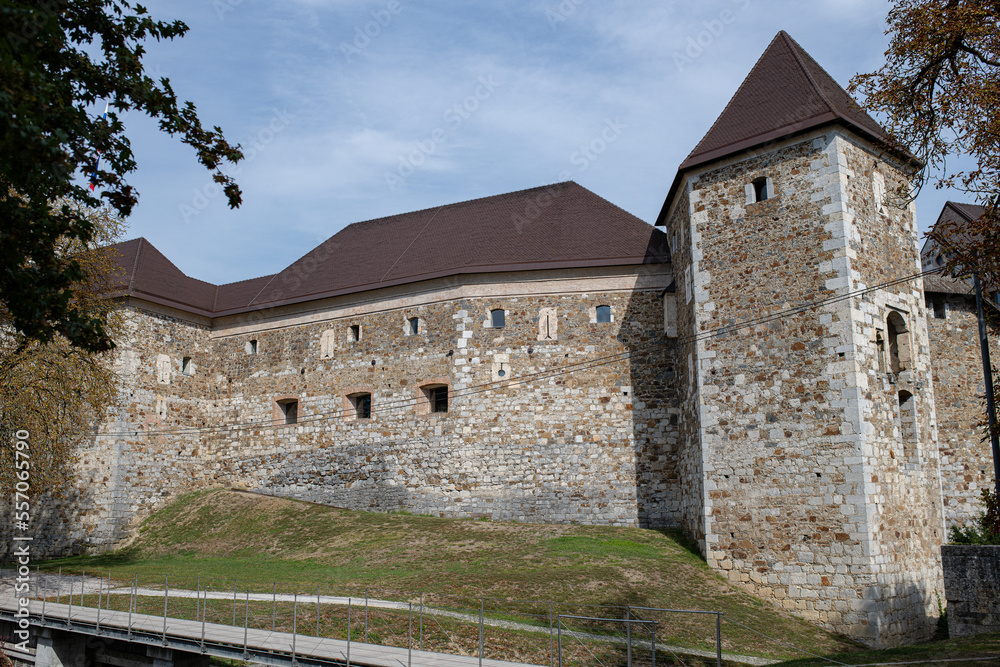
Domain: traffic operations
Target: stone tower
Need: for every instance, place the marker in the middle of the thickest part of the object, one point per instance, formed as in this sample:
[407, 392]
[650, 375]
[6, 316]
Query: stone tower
[810, 453]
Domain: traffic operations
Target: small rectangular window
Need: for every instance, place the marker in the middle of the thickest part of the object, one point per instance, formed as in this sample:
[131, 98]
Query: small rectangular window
[187, 368]
[603, 314]
[439, 399]
[940, 309]
[760, 189]
[251, 347]
[414, 325]
[290, 410]
[362, 405]
[498, 318]
[355, 332]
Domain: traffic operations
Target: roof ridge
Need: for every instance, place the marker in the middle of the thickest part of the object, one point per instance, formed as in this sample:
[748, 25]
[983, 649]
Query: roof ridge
[268, 284]
[797, 52]
[135, 266]
[732, 98]
[458, 203]
[412, 241]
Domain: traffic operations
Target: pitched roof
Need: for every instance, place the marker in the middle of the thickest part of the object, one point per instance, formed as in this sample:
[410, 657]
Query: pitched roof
[143, 271]
[785, 93]
[555, 226]
[954, 218]
[940, 284]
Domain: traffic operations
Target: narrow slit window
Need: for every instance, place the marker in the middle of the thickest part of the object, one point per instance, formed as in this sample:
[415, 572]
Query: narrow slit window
[187, 368]
[498, 318]
[760, 192]
[908, 425]
[355, 332]
[414, 325]
[251, 347]
[899, 346]
[603, 314]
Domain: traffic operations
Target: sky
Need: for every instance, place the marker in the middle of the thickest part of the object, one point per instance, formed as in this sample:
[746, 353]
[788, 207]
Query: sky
[354, 110]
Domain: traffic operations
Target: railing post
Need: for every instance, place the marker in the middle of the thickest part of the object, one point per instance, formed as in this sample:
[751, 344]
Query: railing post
[559, 634]
[274, 604]
[107, 600]
[317, 611]
[366, 615]
[204, 610]
[718, 639]
[552, 652]
[83, 583]
[234, 601]
[348, 632]
[100, 590]
[69, 611]
[628, 634]
[246, 618]
[409, 637]
[295, 624]
[482, 610]
[131, 594]
[653, 645]
[421, 620]
[166, 594]
[59, 586]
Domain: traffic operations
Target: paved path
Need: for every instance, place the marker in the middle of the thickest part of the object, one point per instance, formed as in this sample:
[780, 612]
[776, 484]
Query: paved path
[254, 640]
[50, 584]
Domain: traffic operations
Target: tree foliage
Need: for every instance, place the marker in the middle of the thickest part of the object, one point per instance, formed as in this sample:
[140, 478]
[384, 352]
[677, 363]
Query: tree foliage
[939, 96]
[60, 61]
[985, 528]
[55, 390]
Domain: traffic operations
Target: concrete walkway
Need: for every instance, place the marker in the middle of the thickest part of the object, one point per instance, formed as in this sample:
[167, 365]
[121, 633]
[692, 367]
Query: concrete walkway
[49, 584]
[85, 620]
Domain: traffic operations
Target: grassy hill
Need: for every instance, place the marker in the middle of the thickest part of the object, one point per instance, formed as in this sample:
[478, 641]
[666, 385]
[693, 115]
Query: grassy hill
[224, 540]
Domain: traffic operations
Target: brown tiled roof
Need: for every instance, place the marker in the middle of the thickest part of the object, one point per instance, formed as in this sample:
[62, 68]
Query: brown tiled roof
[144, 272]
[955, 216]
[937, 283]
[786, 92]
[555, 226]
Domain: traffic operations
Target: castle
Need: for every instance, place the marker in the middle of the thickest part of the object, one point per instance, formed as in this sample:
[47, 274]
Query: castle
[767, 370]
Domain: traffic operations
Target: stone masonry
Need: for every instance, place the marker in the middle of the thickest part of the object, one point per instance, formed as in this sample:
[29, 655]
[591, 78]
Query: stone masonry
[766, 373]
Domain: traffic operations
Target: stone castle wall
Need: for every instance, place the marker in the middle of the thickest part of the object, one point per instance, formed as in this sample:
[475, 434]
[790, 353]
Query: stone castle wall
[966, 459]
[582, 426]
[803, 499]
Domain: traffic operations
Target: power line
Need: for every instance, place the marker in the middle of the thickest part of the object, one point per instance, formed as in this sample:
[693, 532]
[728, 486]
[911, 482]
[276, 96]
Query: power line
[568, 369]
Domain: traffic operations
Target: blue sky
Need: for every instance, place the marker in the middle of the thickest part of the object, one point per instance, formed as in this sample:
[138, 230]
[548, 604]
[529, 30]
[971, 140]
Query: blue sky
[354, 110]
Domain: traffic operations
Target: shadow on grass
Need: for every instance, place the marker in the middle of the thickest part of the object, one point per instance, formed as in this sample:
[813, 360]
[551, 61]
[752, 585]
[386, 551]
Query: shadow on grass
[682, 541]
[976, 650]
[112, 559]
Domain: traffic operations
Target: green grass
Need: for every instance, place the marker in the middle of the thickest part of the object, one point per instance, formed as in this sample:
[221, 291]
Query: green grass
[221, 540]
